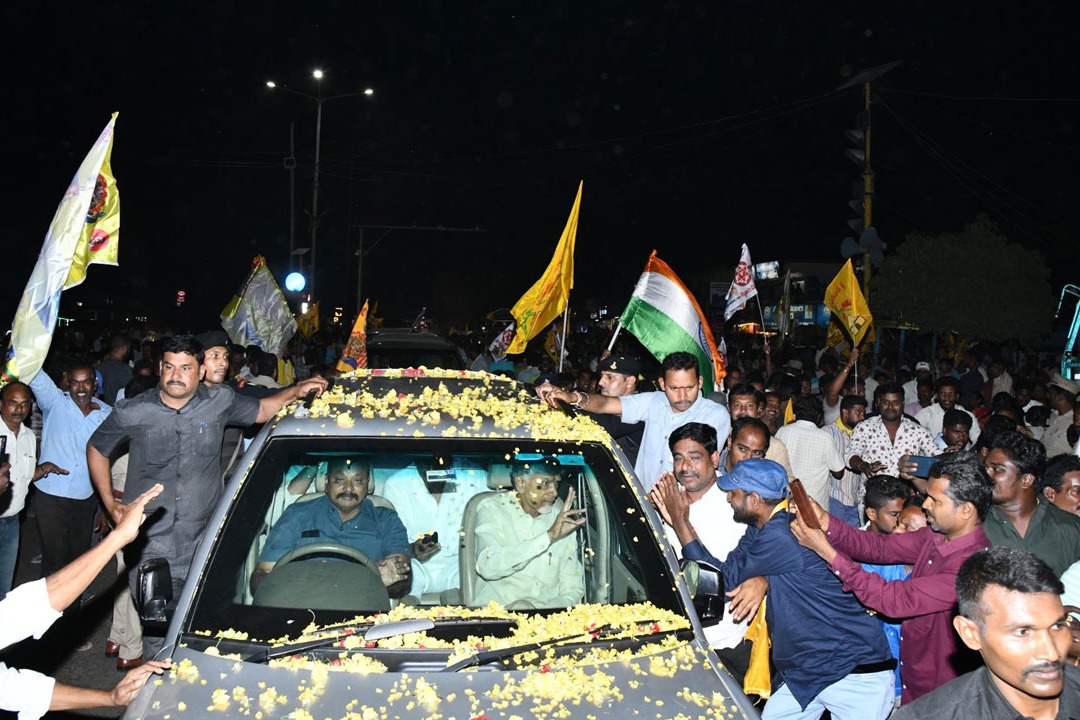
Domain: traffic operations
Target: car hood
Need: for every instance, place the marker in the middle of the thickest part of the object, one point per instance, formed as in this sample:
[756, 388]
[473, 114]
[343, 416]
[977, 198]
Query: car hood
[674, 681]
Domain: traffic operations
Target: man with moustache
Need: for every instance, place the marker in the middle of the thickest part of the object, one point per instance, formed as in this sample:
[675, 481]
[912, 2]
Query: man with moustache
[65, 503]
[745, 400]
[21, 451]
[947, 394]
[831, 655]
[694, 508]
[346, 516]
[1010, 613]
[959, 497]
[174, 435]
[679, 402]
[526, 551]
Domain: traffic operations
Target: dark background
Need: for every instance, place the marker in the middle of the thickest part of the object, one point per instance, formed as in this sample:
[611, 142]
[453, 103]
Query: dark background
[696, 126]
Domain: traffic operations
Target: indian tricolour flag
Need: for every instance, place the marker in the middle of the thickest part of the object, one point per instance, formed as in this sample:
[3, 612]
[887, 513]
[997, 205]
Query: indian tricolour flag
[665, 317]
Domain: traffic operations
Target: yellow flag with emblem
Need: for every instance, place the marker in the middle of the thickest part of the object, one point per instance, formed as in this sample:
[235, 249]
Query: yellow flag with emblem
[548, 296]
[844, 298]
[83, 231]
[308, 323]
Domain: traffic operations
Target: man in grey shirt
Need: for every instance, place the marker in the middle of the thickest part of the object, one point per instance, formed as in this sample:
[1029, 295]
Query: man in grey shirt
[175, 437]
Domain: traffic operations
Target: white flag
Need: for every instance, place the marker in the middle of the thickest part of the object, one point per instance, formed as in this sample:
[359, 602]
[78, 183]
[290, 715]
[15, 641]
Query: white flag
[743, 287]
[501, 343]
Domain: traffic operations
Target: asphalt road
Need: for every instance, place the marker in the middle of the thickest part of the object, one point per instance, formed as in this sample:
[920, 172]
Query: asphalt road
[55, 653]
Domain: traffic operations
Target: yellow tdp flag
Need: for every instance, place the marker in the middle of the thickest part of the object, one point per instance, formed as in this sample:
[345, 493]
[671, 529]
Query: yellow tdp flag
[308, 323]
[548, 296]
[355, 353]
[99, 242]
[848, 305]
[83, 231]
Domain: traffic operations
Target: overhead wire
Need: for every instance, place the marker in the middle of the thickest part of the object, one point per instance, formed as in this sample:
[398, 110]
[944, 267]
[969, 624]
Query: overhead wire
[962, 173]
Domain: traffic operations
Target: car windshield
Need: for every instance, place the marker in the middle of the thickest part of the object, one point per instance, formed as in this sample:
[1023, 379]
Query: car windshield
[463, 508]
[404, 357]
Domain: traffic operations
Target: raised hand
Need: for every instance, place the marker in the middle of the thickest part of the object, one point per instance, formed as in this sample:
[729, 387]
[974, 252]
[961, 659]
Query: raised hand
[568, 520]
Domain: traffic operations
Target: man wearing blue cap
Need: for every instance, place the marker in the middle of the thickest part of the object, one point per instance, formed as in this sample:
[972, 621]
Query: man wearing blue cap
[829, 652]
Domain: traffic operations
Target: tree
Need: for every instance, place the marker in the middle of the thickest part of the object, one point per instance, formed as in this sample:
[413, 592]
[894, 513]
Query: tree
[974, 282]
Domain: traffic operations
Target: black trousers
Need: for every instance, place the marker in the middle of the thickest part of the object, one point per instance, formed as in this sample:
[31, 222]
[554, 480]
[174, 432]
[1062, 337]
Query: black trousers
[65, 526]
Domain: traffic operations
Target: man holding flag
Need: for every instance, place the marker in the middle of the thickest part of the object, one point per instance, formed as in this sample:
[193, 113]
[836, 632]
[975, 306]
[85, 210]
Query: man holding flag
[84, 231]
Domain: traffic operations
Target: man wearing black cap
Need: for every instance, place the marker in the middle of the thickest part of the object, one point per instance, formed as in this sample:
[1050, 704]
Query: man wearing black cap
[618, 378]
[216, 362]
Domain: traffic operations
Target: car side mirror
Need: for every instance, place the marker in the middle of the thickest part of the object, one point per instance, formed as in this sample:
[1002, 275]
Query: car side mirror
[706, 589]
[154, 590]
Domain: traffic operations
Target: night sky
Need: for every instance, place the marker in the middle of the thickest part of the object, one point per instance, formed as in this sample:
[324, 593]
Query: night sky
[695, 126]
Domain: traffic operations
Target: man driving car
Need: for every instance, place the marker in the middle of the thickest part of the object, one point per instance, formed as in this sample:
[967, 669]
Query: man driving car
[344, 515]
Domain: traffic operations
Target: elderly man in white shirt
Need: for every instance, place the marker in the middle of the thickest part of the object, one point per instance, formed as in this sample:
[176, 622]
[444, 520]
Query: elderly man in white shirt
[31, 609]
[526, 552]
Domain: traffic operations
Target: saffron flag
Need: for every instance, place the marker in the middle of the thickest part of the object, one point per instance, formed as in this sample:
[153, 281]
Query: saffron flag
[308, 323]
[547, 298]
[84, 230]
[665, 317]
[844, 298]
[258, 314]
[742, 287]
[355, 353]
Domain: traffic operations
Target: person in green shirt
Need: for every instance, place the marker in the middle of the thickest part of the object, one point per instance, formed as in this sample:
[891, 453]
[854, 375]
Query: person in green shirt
[1021, 517]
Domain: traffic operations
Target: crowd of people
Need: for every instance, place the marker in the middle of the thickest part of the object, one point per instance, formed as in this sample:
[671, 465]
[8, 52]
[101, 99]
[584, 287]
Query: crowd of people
[940, 492]
[910, 492]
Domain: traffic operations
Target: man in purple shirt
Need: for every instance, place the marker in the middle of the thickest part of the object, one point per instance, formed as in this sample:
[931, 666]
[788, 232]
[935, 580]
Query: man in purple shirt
[959, 496]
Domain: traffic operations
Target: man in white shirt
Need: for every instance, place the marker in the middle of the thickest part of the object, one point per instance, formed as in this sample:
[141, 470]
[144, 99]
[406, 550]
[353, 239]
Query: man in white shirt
[947, 393]
[813, 455]
[922, 374]
[700, 510]
[526, 552]
[846, 492]
[679, 402]
[33, 607]
[21, 450]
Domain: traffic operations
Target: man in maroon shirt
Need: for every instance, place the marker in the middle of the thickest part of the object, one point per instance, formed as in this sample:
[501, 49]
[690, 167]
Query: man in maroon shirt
[959, 496]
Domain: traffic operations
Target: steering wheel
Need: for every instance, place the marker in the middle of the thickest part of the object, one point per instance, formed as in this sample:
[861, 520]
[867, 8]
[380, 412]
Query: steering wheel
[328, 548]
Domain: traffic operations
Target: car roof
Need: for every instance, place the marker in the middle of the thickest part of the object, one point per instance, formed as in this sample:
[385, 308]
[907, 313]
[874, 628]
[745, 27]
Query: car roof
[434, 403]
[406, 338]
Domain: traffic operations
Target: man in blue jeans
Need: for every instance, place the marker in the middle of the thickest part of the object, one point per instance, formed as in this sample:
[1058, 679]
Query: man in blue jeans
[829, 652]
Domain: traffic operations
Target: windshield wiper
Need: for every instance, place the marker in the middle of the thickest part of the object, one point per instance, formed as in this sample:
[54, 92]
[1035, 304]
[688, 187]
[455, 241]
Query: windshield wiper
[489, 656]
[371, 634]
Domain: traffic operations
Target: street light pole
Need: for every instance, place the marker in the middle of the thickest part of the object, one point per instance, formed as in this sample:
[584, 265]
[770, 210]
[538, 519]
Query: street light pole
[315, 188]
[319, 100]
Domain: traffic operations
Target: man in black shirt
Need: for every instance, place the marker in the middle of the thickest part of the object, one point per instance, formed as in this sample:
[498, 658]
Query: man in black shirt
[1011, 613]
[619, 378]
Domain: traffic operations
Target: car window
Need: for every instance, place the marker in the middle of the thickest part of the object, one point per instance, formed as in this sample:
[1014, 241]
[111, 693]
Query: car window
[460, 489]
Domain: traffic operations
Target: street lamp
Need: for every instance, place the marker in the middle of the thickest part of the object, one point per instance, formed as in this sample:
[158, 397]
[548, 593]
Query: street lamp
[319, 99]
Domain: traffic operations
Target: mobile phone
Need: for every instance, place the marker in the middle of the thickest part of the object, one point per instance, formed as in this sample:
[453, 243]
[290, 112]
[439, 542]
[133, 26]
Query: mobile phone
[923, 462]
[802, 502]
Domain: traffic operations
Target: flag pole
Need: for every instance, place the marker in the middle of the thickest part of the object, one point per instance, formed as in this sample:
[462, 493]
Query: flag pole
[618, 329]
[764, 335]
[562, 340]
